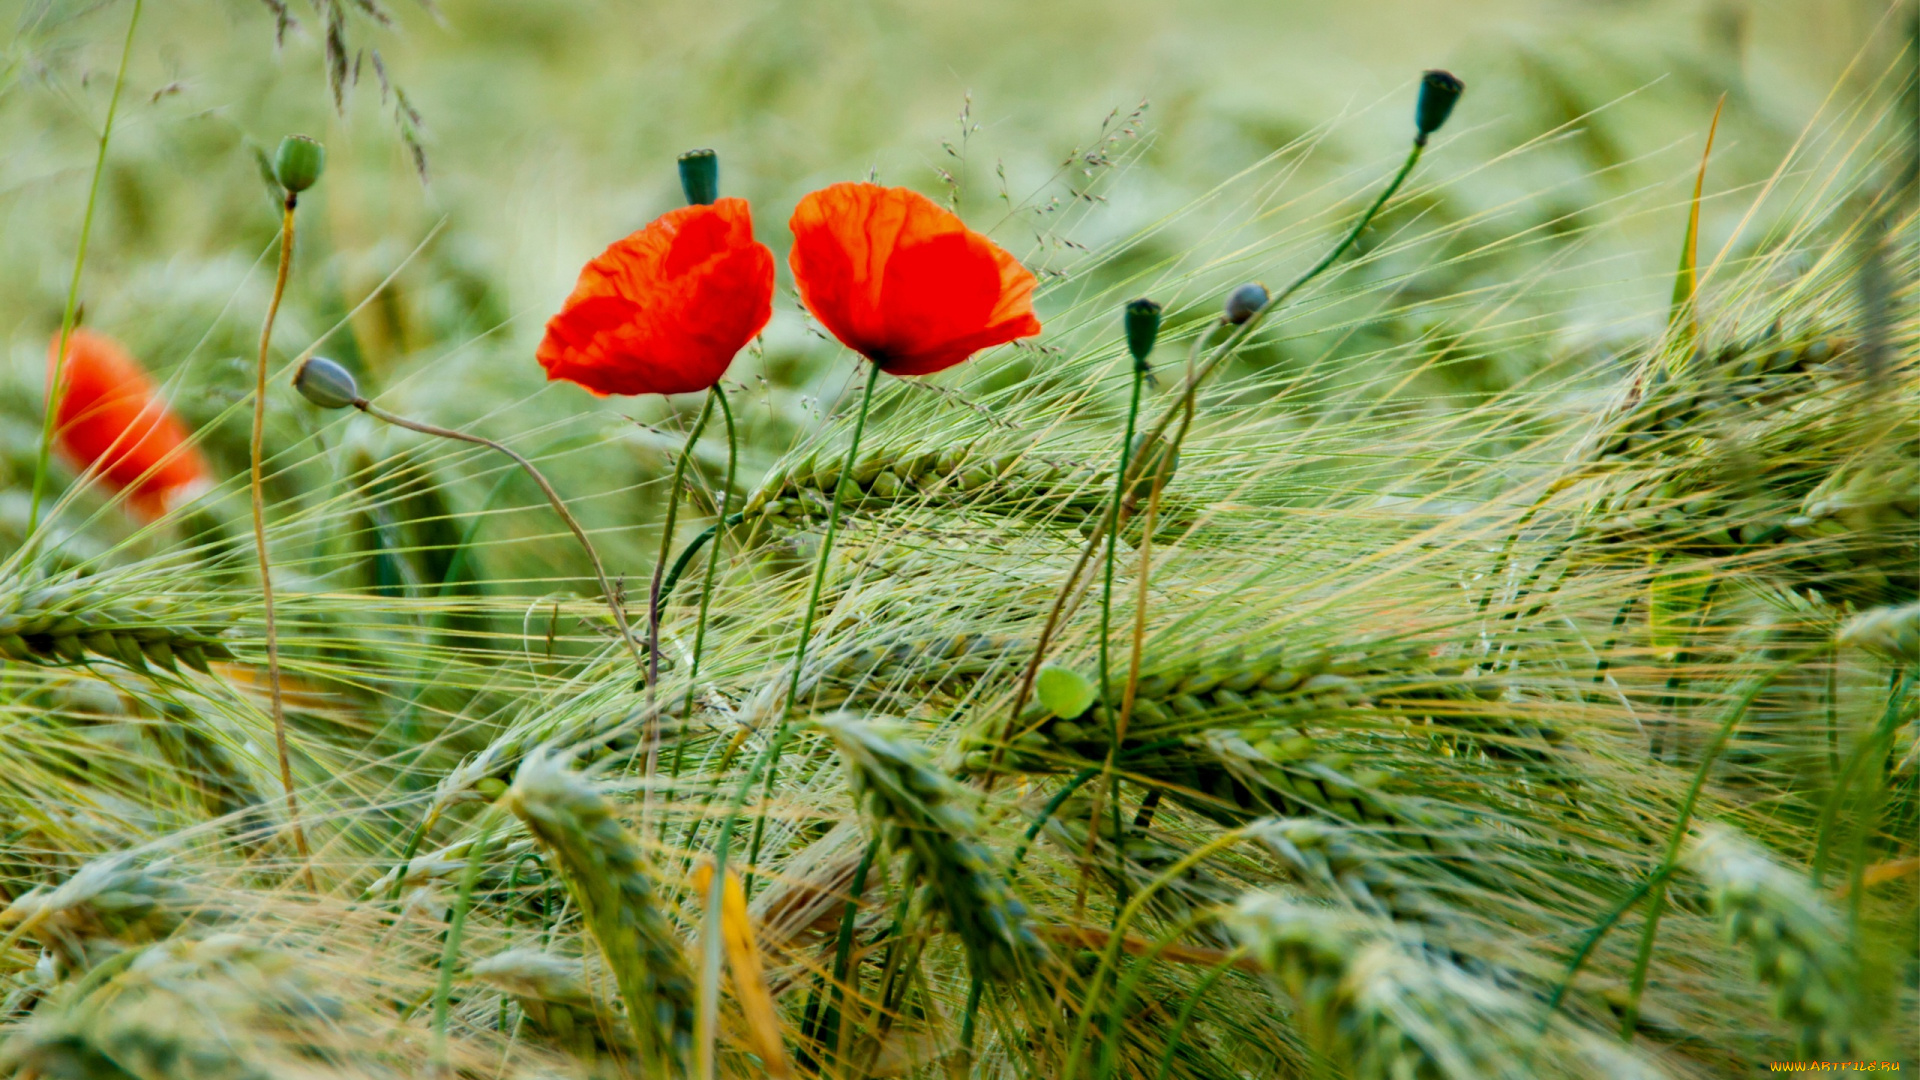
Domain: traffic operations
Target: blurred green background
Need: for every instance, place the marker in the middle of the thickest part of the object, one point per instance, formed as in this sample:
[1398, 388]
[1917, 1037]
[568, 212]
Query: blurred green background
[1115, 146]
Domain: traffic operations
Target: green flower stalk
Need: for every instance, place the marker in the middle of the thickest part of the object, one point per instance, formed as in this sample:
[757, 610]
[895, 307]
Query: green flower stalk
[330, 386]
[1437, 97]
[770, 758]
[297, 167]
[1142, 322]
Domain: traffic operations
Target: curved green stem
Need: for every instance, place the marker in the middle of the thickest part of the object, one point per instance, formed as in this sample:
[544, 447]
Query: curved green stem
[1637, 983]
[1111, 955]
[1869, 748]
[1592, 941]
[706, 585]
[653, 596]
[1114, 732]
[55, 385]
[1218, 355]
[553, 499]
[256, 486]
[456, 925]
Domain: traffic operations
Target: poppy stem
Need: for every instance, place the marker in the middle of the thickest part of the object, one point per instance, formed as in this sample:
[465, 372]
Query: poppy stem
[55, 387]
[1227, 347]
[257, 490]
[653, 603]
[706, 585]
[553, 499]
[1114, 730]
[769, 759]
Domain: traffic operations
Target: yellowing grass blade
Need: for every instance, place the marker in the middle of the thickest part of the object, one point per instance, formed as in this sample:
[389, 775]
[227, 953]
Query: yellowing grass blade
[749, 977]
[1681, 319]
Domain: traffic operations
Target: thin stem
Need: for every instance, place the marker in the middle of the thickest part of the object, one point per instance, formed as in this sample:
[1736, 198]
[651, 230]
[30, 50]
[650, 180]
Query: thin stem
[770, 759]
[55, 383]
[553, 498]
[1867, 749]
[450, 956]
[1111, 955]
[829, 1028]
[653, 603]
[1630, 1015]
[706, 584]
[1185, 1017]
[256, 481]
[1218, 355]
[1592, 941]
[1106, 624]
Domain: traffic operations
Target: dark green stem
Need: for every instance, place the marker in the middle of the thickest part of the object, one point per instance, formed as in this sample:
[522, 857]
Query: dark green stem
[1630, 1016]
[456, 925]
[1114, 734]
[1220, 353]
[653, 594]
[706, 585]
[828, 1033]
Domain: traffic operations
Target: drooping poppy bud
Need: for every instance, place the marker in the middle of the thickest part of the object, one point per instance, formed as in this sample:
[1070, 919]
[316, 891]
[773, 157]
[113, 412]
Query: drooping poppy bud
[700, 177]
[1143, 328]
[1438, 92]
[298, 163]
[111, 420]
[665, 310]
[1244, 301]
[902, 281]
[326, 384]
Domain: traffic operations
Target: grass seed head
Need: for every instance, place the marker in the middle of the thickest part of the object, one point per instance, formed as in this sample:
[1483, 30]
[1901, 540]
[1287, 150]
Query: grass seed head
[603, 867]
[1798, 944]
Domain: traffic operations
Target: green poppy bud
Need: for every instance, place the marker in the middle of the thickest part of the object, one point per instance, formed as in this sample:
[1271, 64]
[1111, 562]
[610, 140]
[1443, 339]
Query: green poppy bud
[1438, 92]
[326, 384]
[700, 177]
[1244, 301]
[298, 163]
[1143, 328]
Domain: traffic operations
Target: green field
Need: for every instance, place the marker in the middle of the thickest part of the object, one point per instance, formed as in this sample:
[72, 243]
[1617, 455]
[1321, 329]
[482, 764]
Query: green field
[1495, 659]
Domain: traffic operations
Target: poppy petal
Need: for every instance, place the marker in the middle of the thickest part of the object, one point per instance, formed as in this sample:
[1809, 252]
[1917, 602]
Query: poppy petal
[113, 422]
[904, 282]
[665, 310]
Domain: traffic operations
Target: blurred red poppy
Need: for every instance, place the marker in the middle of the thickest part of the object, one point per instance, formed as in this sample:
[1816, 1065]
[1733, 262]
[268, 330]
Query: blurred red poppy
[903, 282]
[112, 421]
[665, 310]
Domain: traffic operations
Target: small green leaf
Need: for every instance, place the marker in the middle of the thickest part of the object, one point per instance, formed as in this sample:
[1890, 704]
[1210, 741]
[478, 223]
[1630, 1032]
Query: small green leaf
[1065, 692]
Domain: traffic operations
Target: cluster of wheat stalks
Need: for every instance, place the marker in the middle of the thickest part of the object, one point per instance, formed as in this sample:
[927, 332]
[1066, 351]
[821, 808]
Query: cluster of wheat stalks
[1511, 740]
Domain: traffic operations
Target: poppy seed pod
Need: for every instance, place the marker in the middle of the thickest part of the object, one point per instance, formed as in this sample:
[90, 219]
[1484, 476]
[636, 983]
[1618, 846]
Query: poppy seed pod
[1244, 301]
[326, 384]
[1438, 92]
[298, 163]
[1143, 328]
[700, 177]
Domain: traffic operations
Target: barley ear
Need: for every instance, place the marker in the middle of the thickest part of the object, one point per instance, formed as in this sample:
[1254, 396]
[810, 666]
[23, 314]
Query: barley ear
[609, 879]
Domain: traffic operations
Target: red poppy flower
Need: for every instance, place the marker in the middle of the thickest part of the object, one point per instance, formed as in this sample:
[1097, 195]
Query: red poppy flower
[903, 282]
[111, 420]
[665, 310]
